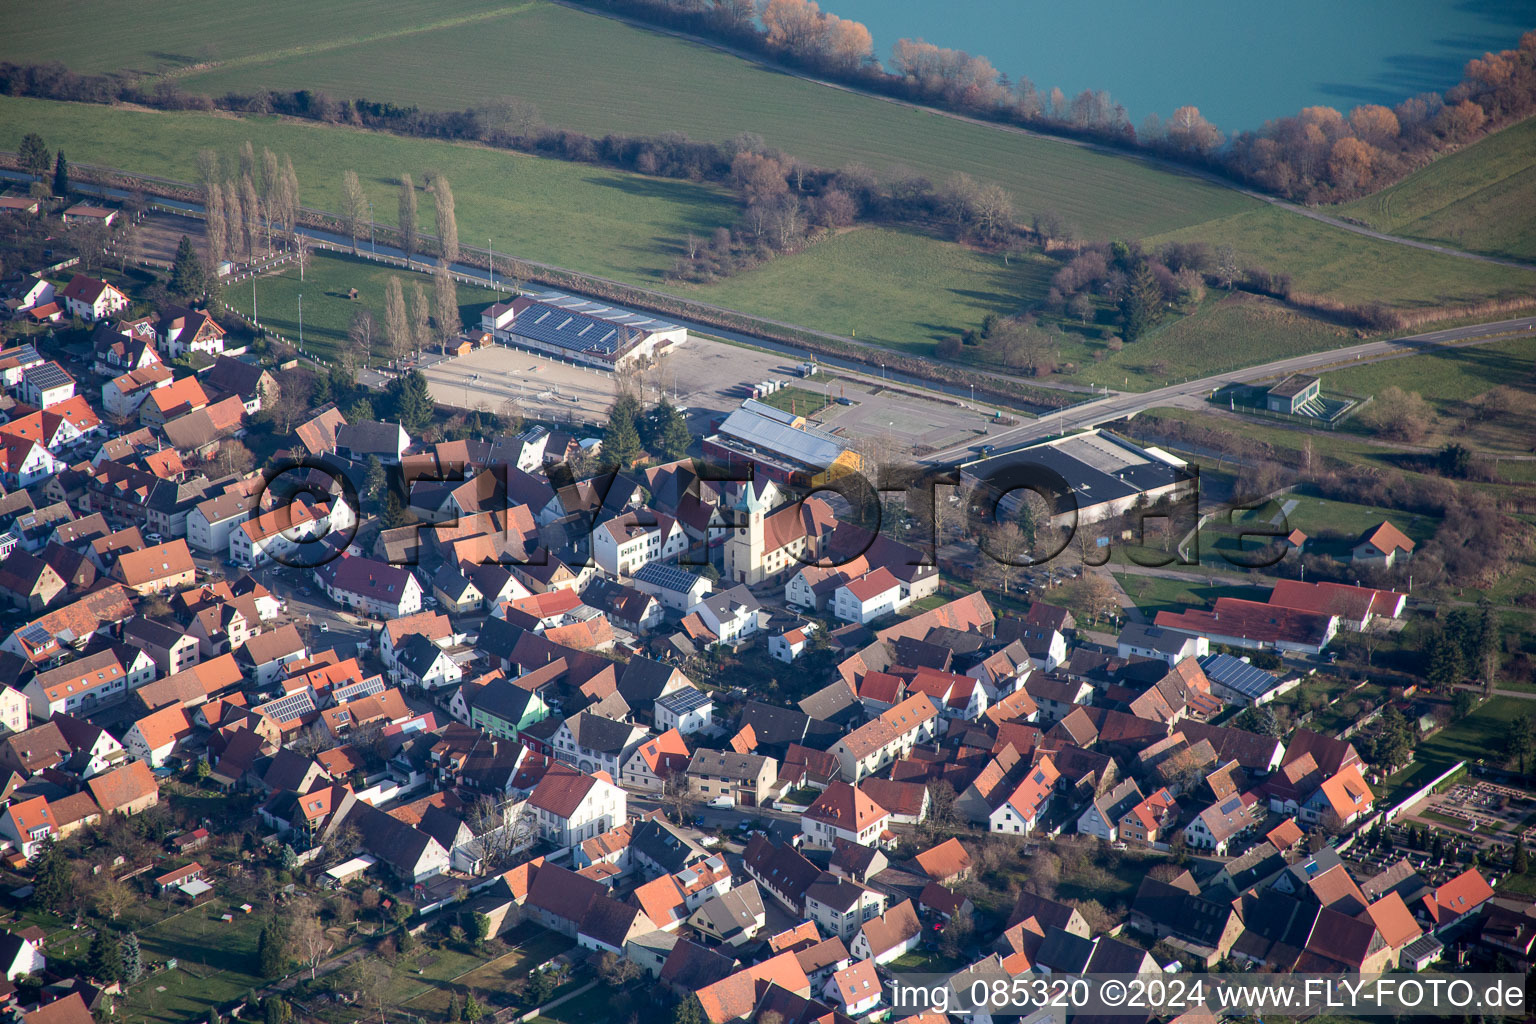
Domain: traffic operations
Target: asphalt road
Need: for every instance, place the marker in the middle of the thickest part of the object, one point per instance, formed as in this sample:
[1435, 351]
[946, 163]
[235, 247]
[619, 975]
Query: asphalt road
[320, 623]
[1118, 406]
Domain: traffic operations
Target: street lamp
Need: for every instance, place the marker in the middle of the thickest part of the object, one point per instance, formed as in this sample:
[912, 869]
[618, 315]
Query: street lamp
[490, 261]
[371, 247]
[301, 321]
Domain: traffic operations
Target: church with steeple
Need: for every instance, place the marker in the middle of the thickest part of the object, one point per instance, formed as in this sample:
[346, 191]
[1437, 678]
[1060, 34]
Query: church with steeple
[767, 542]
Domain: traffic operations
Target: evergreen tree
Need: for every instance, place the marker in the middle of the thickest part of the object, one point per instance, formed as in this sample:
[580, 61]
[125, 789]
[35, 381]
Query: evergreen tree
[187, 271]
[672, 436]
[53, 882]
[621, 441]
[540, 986]
[1444, 667]
[412, 400]
[275, 1010]
[33, 155]
[395, 514]
[1141, 303]
[60, 175]
[473, 1011]
[104, 961]
[375, 481]
[1437, 850]
[455, 1013]
[271, 957]
[133, 960]
[1522, 860]
[689, 1011]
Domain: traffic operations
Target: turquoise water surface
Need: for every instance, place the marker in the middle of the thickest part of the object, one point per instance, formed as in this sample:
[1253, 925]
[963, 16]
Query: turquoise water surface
[1240, 63]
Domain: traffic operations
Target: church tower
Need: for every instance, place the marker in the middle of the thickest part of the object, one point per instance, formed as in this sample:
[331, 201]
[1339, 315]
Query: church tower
[744, 548]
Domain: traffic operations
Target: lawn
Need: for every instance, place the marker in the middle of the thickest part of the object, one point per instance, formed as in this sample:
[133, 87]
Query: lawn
[1314, 516]
[1478, 198]
[797, 400]
[328, 312]
[1154, 594]
[1351, 268]
[600, 222]
[652, 83]
[901, 289]
[215, 961]
[1453, 374]
[1226, 333]
[499, 977]
[1477, 737]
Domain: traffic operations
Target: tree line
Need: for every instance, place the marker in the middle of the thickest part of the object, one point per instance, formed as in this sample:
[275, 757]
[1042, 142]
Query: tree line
[1317, 155]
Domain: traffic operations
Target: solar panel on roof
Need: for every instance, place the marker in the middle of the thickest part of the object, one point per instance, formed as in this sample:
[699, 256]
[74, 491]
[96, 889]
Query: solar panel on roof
[669, 577]
[684, 701]
[1231, 805]
[286, 709]
[36, 635]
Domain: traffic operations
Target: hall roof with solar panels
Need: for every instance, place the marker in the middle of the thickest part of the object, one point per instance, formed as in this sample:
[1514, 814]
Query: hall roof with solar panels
[580, 325]
[668, 577]
[684, 701]
[1237, 675]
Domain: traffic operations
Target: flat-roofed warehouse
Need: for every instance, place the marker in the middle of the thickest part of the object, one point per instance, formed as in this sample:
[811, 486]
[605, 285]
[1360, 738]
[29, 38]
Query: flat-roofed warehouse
[1107, 474]
[583, 331]
[779, 446]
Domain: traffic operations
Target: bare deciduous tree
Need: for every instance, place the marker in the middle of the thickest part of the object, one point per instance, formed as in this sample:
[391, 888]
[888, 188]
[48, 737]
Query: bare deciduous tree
[354, 204]
[447, 221]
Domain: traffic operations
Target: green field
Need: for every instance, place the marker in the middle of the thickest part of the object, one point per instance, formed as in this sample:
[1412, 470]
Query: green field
[1314, 516]
[1350, 268]
[1444, 376]
[328, 312]
[601, 222]
[1227, 332]
[902, 289]
[92, 36]
[1154, 594]
[652, 83]
[1479, 198]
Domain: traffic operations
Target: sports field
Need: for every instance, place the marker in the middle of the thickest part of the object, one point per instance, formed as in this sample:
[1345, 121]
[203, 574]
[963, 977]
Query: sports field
[328, 311]
[1479, 198]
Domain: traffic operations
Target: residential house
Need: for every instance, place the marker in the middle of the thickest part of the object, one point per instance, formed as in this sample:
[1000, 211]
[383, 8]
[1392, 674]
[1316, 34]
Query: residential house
[844, 812]
[154, 738]
[592, 743]
[1383, 544]
[730, 615]
[723, 777]
[656, 761]
[635, 538]
[891, 736]
[1018, 812]
[369, 587]
[571, 806]
[89, 682]
[92, 299]
[887, 936]
[1104, 813]
[157, 568]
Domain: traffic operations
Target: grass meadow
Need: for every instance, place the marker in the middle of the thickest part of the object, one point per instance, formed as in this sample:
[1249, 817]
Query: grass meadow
[1350, 268]
[653, 83]
[1479, 199]
[901, 289]
[91, 36]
